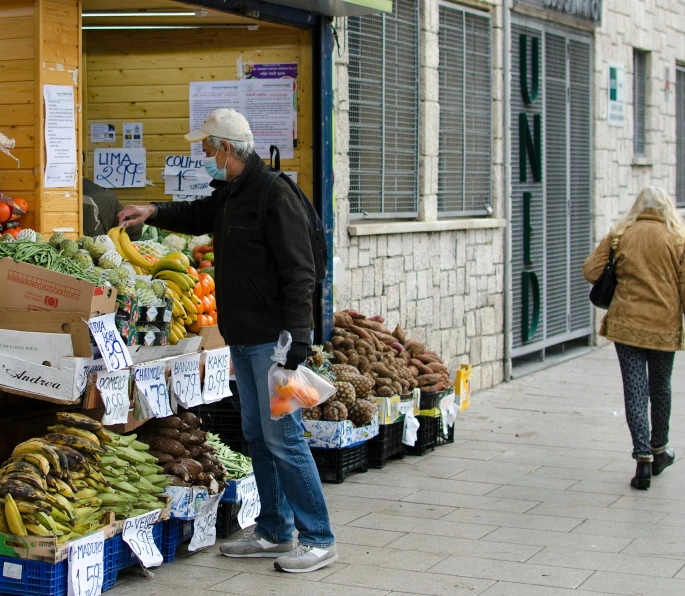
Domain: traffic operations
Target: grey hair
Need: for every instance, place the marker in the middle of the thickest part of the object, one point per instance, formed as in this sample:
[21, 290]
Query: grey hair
[241, 149]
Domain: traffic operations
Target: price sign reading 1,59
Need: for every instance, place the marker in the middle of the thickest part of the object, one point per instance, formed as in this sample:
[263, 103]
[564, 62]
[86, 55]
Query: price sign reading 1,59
[86, 569]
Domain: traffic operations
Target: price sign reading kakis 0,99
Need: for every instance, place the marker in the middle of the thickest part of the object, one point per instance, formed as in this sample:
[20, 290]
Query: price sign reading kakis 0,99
[112, 347]
[217, 372]
[113, 387]
[86, 566]
[185, 380]
[152, 390]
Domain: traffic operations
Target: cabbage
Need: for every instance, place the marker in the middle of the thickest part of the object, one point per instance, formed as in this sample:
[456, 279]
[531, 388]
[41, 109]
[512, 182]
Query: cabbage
[174, 243]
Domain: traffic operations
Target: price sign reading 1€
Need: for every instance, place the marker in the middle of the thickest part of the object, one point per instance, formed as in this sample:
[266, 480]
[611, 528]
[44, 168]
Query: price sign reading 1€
[185, 380]
[217, 372]
[137, 534]
[251, 504]
[112, 347]
[152, 390]
[113, 387]
[86, 567]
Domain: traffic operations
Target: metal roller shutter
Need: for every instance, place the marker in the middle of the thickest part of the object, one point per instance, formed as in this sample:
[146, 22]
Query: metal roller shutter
[680, 135]
[639, 101]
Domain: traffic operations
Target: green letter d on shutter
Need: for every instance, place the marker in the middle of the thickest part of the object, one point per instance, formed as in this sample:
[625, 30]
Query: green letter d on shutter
[529, 281]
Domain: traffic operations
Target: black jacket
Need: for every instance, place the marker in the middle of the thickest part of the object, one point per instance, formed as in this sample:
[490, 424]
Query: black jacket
[101, 215]
[264, 282]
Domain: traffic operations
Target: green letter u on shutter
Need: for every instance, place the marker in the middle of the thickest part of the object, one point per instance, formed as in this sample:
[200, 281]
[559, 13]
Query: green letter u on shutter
[529, 96]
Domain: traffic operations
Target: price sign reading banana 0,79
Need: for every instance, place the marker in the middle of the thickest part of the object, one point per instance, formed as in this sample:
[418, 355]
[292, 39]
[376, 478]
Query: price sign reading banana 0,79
[185, 380]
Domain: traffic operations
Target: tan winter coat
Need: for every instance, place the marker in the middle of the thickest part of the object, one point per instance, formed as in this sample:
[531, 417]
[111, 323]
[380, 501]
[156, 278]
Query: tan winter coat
[647, 308]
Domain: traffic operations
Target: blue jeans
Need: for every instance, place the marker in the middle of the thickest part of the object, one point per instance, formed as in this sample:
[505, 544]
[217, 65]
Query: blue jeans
[290, 490]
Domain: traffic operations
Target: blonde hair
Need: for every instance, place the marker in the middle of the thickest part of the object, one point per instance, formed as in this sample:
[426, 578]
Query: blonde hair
[655, 199]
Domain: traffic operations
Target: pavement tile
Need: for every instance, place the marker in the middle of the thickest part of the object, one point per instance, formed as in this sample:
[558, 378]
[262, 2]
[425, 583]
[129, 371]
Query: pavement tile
[190, 576]
[474, 502]
[389, 557]
[599, 513]
[624, 530]
[285, 585]
[448, 545]
[409, 582]
[415, 525]
[562, 497]
[525, 573]
[531, 480]
[655, 548]
[454, 485]
[621, 563]
[616, 583]
[624, 489]
[364, 536]
[513, 520]
[368, 491]
[642, 503]
[598, 543]
[509, 589]
[359, 507]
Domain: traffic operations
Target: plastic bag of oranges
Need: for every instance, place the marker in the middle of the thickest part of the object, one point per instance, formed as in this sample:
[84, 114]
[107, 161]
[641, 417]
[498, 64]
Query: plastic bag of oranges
[290, 390]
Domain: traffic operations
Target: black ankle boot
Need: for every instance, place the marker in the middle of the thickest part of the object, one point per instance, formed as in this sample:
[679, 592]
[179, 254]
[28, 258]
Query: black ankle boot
[662, 461]
[643, 475]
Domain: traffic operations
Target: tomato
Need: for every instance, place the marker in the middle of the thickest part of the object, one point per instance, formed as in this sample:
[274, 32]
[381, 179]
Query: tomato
[6, 213]
[14, 232]
[204, 248]
[209, 257]
[197, 256]
[205, 263]
[21, 204]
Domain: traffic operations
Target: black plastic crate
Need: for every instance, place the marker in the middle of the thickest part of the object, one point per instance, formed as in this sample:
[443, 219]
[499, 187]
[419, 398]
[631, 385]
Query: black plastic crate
[387, 444]
[431, 399]
[444, 439]
[223, 418]
[427, 435]
[335, 464]
[227, 519]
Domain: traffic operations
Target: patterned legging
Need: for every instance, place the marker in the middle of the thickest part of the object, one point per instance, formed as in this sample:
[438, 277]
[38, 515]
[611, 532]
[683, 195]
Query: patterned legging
[639, 390]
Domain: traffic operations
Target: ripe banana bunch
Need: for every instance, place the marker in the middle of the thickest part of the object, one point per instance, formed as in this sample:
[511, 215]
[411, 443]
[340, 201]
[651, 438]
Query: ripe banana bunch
[48, 485]
[124, 246]
[133, 479]
[180, 285]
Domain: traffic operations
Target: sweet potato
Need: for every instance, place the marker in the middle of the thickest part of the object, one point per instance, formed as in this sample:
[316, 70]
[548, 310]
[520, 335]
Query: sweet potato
[427, 358]
[347, 343]
[191, 419]
[397, 346]
[377, 319]
[194, 467]
[425, 380]
[177, 470]
[337, 341]
[342, 319]
[169, 433]
[170, 422]
[338, 332]
[441, 386]
[354, 314]
[164, 445]
[162, 458]
[363, 333]
[385, 392]
[368, 324]
[383, 382]
[416, 349]
[437, 367]
[399, 334]
[340, 358]
[195, 451]
[420, 366]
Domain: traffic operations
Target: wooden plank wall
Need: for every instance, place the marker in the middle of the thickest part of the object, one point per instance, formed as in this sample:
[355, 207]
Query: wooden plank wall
[17, 100]
[144, 76]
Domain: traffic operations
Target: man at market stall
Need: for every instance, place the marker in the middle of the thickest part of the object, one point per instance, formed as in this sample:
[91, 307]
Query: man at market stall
[265, 281]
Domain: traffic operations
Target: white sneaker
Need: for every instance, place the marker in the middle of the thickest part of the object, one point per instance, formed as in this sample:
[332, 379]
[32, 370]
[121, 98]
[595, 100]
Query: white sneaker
[254, 546]
[303, 559]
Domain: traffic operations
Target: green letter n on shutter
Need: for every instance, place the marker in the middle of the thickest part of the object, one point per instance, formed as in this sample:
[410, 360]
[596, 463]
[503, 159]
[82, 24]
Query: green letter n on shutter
[530, 145]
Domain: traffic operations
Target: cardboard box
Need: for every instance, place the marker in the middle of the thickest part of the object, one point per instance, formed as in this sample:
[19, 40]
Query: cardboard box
[211, 338]
[388, 409]
[28, 287]
[334, 435]
[462, 386]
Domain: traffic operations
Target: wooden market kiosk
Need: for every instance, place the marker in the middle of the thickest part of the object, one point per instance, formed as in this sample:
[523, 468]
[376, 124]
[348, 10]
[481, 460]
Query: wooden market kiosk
[135, 65]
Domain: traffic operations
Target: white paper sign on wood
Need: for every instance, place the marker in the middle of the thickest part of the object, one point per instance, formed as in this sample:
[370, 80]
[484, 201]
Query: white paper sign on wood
[152, 390]
[112, 347]
[120, 168]
[217, 372]
[86, 566]
[137, 534]
[113, 387]
[204, 527]
[185, 380]
[251, 504]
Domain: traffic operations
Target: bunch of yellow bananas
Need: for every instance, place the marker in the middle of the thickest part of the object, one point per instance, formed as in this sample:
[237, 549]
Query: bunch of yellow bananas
[124, 246]
[135, 480]
[49, 486]
[180, 285]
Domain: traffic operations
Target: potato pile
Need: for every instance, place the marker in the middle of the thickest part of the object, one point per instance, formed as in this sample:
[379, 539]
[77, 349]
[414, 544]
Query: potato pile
[393, 362]
[181, 448]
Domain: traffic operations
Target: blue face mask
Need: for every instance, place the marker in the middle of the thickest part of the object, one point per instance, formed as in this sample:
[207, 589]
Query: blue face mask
[213, 169]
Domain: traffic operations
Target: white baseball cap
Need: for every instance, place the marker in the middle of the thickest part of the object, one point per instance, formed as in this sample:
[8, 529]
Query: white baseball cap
[224, 123]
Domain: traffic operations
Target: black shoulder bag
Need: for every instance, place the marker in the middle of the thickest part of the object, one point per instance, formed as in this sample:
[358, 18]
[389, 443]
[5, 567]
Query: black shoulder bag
[603, 289]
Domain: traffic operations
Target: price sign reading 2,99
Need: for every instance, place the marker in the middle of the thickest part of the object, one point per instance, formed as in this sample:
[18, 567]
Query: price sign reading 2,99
[86, 568]
[185, 380]
[152, 389]
[112, 347]
[217, 372]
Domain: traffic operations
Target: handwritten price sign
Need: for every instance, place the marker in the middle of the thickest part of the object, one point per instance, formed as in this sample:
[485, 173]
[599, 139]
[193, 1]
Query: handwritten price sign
[112, 347]
[113, 387]
[120, 168]
[251, 504]
[185, 380]
[86, 568]
[152, 389]
[204, 528]
[138, 535]
[217, 372]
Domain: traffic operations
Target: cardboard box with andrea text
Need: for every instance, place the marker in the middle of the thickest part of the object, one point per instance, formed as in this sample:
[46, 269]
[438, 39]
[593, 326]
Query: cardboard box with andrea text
[27, 287]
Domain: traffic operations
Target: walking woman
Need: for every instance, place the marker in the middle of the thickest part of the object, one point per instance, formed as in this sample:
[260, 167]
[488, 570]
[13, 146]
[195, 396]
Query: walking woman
[645, 319]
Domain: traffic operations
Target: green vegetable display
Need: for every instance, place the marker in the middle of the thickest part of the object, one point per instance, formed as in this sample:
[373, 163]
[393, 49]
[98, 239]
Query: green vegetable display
[238, 465]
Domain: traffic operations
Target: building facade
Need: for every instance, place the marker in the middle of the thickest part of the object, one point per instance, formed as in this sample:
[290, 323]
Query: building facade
[480, 155]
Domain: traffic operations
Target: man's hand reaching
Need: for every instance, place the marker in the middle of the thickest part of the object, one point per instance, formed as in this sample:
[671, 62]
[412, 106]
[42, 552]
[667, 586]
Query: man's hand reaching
[132, 215]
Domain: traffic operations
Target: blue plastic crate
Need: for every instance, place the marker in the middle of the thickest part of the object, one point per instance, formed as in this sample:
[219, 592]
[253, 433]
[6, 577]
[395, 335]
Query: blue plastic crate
[175, 532]
[118, 554]
[37, 578]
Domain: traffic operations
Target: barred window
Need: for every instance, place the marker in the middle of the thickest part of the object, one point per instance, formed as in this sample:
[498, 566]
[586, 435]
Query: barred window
[384, 108]
[464, 169]
[639, 101]
[680, 135]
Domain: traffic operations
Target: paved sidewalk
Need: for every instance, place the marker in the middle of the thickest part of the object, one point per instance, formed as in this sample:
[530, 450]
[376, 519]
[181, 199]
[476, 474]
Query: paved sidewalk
[532, 499]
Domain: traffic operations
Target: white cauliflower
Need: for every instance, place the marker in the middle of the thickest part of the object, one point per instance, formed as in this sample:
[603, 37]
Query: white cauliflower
[174, 243]
[198, 241]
